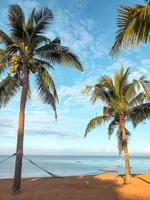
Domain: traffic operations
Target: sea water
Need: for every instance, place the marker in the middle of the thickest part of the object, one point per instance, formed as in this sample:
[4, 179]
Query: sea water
[74, 165]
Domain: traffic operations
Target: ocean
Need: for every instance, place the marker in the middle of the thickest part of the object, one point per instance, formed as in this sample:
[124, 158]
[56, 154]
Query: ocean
[74, 165]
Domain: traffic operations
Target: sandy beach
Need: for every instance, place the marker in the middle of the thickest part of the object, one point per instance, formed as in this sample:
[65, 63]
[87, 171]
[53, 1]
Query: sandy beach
[100, 187]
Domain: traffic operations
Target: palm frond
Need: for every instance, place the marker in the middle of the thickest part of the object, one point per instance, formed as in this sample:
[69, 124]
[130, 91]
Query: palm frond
[100, 93]
[141, 84]
[87, 89]
[106, 81]
[9, 87]
[120, 81]
[36, 41]
[124, 75]
[145, 85]
[4, 38]
[46, 88]
[44, 63]
[113, 124]
[55, 53]
[138, 99]
[16, 20]
[125, 18]
[70, 59]
[130, 92]
[4, 57]
[139, 113]
[30, 22]
[36, 24]
[48, 81]
[133, 27]
[93, 123]
[41, 19]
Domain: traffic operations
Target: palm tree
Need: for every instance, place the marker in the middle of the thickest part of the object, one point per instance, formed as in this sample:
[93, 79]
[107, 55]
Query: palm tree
[122, 104]
[27, 51]
[133, 27]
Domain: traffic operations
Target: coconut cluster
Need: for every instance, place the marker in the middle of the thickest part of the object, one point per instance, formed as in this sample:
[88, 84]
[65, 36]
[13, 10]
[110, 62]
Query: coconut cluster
[15, 60]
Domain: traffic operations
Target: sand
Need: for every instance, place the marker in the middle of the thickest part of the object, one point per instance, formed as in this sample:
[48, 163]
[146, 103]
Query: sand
[100, 187]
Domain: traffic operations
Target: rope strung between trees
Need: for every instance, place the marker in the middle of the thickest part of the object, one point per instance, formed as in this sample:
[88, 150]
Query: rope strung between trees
[106, 170]
[7, 158]
[50, 173]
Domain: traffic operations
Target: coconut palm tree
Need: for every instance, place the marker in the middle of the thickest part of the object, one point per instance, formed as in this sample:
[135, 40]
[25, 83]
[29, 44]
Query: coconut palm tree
[133, 27]
[25, 51]
[122, 104]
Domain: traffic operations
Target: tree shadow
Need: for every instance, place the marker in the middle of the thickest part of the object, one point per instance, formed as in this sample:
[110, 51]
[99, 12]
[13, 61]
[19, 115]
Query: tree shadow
[101, 187]
[141, 178]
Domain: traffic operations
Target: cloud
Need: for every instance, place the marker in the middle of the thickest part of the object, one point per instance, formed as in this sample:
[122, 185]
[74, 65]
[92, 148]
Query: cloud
[146, 150]
[78, 30]
[6, 122]
[61, 134]
[78, 35]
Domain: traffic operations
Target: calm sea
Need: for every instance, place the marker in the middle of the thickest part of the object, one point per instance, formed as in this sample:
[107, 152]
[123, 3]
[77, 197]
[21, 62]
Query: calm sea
[74, 165]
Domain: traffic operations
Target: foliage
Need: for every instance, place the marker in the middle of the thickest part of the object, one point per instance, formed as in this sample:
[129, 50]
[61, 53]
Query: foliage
[28, 46]
[123, 100]
[133, 27]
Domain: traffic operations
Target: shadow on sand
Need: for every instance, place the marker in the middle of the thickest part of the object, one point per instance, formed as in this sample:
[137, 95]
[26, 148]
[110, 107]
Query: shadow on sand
[70, 188]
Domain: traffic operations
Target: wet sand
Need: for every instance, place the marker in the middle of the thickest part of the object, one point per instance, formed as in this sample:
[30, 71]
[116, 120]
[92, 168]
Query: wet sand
[100, 187]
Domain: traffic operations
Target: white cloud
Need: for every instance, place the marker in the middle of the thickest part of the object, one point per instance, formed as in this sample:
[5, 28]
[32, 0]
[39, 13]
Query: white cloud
[146, 150]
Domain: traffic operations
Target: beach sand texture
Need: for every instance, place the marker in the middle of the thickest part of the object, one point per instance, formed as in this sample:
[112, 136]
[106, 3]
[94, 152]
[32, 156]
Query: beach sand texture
[100, 187]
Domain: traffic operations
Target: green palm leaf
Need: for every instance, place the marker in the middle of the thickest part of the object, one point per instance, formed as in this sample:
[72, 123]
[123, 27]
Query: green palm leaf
[139, 113]
[133, 27]
[97, 121]
[138, 99]
[44, 63]
[4, 38]
[56, 53]
[46, 88]
[16, 20]
[113, 124]
[30, 47]
[87, 89]
[122, 102]
[9, 87]
[41, 19]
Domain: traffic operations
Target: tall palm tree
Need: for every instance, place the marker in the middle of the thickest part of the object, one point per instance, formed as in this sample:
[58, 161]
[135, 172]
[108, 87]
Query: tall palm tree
[28, 51]
[133, 27]
[122, 104]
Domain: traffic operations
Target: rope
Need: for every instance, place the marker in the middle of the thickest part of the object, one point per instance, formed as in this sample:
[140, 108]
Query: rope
[50, 173]
[7, 158]
[106, 170]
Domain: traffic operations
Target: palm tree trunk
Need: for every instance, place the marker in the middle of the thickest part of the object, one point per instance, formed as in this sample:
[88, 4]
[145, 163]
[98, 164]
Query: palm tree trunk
[127, 165]
[125, 149]
[19, 150]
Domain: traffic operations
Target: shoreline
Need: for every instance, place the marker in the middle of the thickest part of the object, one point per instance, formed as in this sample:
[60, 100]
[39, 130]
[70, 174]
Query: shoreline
[93, 187]
[76, 176]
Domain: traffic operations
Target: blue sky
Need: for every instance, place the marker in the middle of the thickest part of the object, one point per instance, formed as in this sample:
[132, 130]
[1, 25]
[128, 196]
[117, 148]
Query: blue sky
[88, 28]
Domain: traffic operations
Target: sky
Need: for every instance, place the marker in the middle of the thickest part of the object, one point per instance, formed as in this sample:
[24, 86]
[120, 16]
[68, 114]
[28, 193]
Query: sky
[88, 28]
